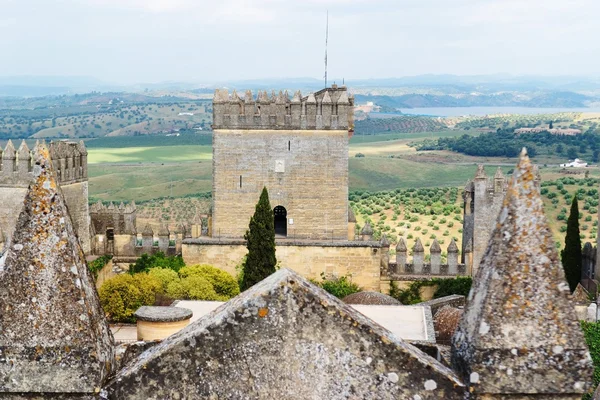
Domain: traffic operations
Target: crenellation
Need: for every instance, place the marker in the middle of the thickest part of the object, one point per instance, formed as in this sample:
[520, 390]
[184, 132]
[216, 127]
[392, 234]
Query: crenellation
[435, 253]
[327, 109]
[9, 157]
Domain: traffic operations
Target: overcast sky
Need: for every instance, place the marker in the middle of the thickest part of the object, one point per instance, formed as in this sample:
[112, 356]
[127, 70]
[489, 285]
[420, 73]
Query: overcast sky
[129, 41]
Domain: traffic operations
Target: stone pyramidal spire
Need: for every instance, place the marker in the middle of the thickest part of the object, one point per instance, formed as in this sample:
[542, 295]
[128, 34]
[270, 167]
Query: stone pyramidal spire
[284, 338]
[52, 328]
[519, 333]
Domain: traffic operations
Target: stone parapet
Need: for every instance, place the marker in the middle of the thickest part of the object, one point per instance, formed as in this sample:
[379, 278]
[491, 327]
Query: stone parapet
[330, 108]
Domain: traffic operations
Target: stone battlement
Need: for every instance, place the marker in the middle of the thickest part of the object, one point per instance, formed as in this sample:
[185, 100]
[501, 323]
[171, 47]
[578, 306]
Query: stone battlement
[70, 161]
[120, 219]
[328, 109]
[418, 266]
[15, 165]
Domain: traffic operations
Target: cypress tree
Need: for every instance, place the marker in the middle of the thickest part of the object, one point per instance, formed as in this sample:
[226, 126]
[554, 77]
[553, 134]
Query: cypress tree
[260, 241]
[571, 254]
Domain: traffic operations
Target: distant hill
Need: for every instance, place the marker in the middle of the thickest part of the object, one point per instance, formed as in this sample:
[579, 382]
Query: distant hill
[544, 99]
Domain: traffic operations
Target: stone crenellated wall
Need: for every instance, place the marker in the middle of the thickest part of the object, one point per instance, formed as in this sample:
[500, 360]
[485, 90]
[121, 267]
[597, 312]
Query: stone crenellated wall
[69, 160]
[308, 258]
[330, 108]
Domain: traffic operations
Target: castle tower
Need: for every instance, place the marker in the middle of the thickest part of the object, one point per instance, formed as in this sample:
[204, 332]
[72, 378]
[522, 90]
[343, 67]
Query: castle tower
[482, 201]
[297, 149]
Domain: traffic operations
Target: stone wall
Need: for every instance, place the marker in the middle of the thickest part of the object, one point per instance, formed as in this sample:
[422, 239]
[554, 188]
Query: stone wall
[305, 171]
[76, 197]
[360, 259]
[11, 199]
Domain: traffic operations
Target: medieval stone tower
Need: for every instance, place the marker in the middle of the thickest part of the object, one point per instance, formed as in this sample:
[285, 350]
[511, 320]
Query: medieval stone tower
[70, 163]
[297, 148]
[482, 202]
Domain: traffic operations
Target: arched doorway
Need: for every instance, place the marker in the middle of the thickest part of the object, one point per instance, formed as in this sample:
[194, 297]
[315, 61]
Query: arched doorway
[280, 221]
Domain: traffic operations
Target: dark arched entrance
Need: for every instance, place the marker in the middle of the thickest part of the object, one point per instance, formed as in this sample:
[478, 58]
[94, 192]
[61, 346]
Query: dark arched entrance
[280, 221]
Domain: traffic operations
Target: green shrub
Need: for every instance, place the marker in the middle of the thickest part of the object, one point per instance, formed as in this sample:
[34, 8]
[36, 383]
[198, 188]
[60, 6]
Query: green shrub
[175, 290]
[446, 287]
[146, 262]
[460, 285]
[199, 288]
[223, 283]
[95, 266]
[591, 331]
[339, 287]
[122, 295]
[164, 276]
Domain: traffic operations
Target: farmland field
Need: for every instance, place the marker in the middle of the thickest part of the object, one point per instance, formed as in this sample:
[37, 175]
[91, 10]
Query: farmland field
[402, 192]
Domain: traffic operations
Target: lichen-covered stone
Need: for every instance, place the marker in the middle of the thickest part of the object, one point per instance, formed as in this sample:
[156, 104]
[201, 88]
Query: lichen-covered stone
[53, 334]
[284, 339]
[580, 295]
[371, 298]
[519, 334]
[445, 322]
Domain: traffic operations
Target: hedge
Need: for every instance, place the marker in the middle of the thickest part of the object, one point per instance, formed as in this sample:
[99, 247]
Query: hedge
[122, 295]
[223, 283]
[340, 287]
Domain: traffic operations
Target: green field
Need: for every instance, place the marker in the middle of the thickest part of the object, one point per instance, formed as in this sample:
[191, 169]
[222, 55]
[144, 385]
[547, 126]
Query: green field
[119, 182]
[149, 154]
[144, 172]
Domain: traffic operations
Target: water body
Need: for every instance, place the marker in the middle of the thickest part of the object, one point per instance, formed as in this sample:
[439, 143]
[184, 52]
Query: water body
[482, 111]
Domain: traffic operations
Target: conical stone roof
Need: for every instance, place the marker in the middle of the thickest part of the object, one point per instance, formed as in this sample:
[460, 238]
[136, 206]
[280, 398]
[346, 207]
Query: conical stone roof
[519, 332]
[452, 247]
[401, 246]
[418, 247]
[52, 328]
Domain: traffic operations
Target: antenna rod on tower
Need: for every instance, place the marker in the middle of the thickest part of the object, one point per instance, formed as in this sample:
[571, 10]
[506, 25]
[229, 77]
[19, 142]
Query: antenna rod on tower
[326, 40]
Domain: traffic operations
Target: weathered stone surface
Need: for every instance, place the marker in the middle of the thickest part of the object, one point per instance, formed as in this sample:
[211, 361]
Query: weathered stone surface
[162, 314]
[580, 295]
[519, 334]
[445, 322]
[53, 334]
[454, 300]
[284, 339]
[371, 298]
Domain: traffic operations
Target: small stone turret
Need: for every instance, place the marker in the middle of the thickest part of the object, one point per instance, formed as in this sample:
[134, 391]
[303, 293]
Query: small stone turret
[435, 257]
[452, 258]
[23, 159]
[519, 333]
[196, 227]
[147, 239]
[366, 233]
[499, 180]
[385, 255]
[401, 254]
[330, 108]
[163, 238]
[9, 156]
[418, 257]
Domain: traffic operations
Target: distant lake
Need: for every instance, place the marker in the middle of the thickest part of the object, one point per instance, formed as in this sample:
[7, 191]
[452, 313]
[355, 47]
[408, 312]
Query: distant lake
[481, 111]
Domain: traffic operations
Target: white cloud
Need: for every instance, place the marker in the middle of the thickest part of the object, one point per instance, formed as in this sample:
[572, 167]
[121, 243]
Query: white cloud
[155, 40]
